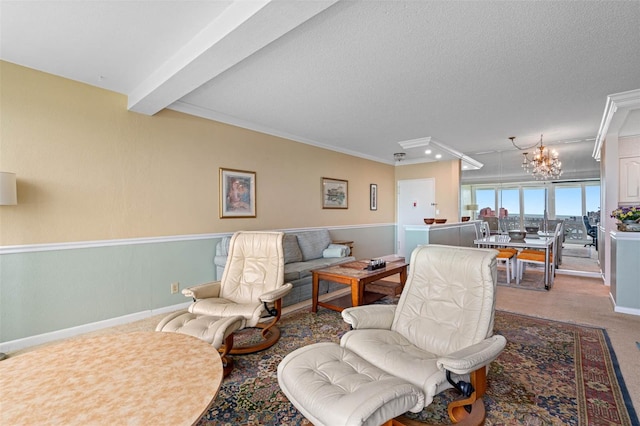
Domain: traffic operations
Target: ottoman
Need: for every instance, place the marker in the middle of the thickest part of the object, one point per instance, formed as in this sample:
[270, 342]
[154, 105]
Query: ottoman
[332, 386]
[218, 331]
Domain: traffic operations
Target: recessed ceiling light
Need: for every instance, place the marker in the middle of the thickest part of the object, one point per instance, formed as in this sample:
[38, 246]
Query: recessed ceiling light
[428, 151]
[438, 156]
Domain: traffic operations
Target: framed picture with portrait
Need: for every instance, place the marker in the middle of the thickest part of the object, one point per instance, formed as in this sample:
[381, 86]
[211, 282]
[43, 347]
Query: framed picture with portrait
[237, 193]
[373, 196]
[335, 193]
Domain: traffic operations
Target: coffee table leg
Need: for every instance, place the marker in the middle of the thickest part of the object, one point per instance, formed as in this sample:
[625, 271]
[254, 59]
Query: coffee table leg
[315, 290]
[403, 276]
[357, 293]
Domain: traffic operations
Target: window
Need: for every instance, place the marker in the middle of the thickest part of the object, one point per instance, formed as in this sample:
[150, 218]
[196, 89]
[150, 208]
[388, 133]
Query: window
[568, 202]
[510, 200]
[486, 198]
[533, 202]
[526, 204]
[592, 200]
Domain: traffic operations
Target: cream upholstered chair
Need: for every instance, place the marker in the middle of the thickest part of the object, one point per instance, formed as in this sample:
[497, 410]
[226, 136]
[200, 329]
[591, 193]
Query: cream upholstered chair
[251, 286]
[440, 335]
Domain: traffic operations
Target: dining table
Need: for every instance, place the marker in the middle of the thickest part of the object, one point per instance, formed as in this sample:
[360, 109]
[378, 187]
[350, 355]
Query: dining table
[542, 241]
[137, 378]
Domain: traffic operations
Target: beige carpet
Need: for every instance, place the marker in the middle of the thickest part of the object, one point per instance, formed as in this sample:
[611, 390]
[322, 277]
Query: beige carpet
[578, 258]
[584, 301]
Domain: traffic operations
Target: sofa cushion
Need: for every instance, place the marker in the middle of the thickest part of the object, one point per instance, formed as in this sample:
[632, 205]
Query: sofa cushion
[313, 243]
[291, 249]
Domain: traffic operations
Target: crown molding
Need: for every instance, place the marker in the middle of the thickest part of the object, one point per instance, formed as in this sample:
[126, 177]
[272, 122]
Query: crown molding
[619, 102]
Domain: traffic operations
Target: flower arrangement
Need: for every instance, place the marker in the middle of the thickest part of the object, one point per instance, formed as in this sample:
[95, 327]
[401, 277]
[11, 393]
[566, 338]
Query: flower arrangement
[623, 213]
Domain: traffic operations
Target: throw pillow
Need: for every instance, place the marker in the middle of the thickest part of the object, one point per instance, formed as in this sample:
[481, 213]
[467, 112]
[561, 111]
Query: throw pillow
[313, 243]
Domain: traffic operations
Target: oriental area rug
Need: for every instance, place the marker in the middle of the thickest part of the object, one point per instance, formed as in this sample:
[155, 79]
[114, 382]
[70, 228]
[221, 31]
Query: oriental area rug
[550, 373]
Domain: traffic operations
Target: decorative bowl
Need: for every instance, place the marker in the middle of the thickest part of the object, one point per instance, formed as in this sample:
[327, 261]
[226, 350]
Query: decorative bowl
[532, 229]
[466, 218]
[429, 220]
[441, 220]
[517, 235]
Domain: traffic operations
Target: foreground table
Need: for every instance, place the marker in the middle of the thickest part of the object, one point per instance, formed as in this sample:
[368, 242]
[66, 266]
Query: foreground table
[142, 378]
[356, 276]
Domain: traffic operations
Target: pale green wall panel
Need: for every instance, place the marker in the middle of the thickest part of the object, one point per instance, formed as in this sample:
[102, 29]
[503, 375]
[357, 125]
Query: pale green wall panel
[52, 290]
[46, 291]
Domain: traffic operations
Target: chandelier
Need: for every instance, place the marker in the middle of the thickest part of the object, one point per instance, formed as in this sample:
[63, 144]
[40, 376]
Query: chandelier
[544, 164]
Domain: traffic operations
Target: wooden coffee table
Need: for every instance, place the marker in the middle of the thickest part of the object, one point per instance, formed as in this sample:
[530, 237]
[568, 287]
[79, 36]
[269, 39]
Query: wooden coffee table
[141, 378]
[356, 275]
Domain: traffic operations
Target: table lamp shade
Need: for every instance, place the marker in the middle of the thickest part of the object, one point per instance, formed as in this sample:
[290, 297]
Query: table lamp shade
[8, 193]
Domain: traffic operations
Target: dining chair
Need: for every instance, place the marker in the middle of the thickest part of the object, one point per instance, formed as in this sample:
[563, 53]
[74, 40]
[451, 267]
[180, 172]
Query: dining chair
[508, 257]
[538, 257]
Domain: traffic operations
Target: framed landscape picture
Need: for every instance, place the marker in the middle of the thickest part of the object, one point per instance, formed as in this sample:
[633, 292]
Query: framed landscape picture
[335, 193]
[237, 193]
[373, 196]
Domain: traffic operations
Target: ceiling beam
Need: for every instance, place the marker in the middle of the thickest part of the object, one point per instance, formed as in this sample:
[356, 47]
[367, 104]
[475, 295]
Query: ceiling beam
[241, 30]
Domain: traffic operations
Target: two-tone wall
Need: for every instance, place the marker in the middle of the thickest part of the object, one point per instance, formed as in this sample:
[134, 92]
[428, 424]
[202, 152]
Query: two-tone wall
[114, 206]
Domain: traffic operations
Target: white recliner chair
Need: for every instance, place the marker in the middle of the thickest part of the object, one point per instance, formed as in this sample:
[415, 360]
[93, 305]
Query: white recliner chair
[397, 358]
[248, 295]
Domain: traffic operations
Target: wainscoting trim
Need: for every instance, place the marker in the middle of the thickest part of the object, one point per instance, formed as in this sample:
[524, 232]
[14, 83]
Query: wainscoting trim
[150, 240]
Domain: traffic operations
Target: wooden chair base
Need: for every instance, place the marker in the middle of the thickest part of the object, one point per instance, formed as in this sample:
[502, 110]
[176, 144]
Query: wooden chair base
[227, 363]
[456, 409]
[270, 335]
[457, 412]
[475, 418]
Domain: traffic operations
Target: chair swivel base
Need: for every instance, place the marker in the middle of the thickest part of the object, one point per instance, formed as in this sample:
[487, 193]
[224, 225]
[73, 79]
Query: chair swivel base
[269, 335]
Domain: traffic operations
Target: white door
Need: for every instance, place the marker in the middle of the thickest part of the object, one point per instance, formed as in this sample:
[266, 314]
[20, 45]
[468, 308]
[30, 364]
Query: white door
[416, 201]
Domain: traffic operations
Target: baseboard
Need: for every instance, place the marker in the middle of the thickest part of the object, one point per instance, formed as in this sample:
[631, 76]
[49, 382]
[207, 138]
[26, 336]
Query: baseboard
[623, 310]
[27, 342]
[579, 273]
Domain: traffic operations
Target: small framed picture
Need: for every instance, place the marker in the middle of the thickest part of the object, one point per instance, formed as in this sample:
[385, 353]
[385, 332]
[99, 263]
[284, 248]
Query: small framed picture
[237, 193]
[335, 193]
[373, 196]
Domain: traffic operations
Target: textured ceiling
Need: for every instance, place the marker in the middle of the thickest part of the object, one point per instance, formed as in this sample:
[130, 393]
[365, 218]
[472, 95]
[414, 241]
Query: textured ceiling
[353, 76]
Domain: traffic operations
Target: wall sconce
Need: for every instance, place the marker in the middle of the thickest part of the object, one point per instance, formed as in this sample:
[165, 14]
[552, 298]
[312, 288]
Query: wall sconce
[8, 192]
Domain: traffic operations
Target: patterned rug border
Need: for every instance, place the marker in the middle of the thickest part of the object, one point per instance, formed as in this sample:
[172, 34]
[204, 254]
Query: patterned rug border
[613, 359]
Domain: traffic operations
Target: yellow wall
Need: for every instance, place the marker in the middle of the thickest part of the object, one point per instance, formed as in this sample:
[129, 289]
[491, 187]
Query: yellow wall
[447, 180]
[88, 169]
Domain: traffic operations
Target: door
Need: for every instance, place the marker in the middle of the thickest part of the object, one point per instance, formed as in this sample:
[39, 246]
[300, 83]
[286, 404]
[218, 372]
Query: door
[416, 201]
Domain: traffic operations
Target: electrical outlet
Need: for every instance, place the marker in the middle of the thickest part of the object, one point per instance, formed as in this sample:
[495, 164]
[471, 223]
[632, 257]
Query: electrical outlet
[175, 287]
